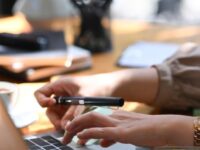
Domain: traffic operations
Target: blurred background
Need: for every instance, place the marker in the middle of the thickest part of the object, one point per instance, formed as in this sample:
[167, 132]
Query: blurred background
[175, 21]
[163, 11]
[164, 21]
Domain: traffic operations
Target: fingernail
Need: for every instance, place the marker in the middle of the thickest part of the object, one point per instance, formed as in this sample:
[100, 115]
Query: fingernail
[63, 141]
[51, 102]
[79, 134]
[66, 137]
[67, 125]
[81, 142]
[63, 123]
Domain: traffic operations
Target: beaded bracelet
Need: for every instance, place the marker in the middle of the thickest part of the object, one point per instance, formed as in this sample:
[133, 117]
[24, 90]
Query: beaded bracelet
[196, 127]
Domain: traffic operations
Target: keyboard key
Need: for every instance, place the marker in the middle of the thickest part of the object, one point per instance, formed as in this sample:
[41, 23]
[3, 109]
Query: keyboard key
[39, 142]
[29, 143]
[49, 147]
[65, 148]
[58, 144]
[35, 148]
[46, 143]
[50, 139]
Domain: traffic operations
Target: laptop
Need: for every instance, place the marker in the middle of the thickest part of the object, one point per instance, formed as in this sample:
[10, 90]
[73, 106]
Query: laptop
[12, 139]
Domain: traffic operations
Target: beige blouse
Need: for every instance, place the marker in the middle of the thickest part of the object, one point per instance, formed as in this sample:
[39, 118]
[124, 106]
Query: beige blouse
[179, 78]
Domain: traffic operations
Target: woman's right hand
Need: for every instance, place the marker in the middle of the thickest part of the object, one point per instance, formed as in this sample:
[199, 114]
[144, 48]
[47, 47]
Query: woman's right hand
[70, 86]
[128, 84]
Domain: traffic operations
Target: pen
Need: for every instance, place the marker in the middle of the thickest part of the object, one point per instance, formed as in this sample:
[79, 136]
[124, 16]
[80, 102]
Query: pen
[95, 101]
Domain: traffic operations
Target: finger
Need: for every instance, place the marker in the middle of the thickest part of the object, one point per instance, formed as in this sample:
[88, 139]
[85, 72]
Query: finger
[86, 121]
[66, 120]
[106, 143]
[54, 118]
[79, 110]
[43, 96]
[67, 137]
[91, 119]
[108, 133]
[58, 88]
[69, 115]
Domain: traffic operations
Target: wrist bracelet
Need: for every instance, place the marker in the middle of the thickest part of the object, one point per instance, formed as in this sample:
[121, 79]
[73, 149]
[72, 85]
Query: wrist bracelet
[196, 127]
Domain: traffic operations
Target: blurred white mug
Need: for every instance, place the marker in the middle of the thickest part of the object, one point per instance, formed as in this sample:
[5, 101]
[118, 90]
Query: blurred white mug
[8, 94]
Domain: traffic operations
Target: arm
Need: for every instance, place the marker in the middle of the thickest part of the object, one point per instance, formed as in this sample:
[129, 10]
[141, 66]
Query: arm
[172, 84]
[179, 79]
[128, 84]
[135, 84]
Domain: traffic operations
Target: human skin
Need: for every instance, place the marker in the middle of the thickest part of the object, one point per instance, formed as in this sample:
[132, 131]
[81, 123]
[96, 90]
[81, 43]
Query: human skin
[129, 84]
[132, 128]
[146, 130]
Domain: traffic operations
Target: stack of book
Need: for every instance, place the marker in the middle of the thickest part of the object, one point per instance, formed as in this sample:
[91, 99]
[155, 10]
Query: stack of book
[33, 67]
[37, 65]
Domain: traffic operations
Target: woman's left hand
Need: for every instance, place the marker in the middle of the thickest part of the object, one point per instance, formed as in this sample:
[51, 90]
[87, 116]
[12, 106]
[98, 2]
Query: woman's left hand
[132, 128]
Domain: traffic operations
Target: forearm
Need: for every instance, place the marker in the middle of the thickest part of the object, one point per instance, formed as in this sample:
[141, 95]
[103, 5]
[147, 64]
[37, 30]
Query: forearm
[136, 84]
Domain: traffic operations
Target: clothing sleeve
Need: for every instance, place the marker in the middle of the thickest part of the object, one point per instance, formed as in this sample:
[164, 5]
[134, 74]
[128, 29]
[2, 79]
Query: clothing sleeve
[179, 79]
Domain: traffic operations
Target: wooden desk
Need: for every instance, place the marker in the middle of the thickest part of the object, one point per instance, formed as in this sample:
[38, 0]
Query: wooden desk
[123, 34]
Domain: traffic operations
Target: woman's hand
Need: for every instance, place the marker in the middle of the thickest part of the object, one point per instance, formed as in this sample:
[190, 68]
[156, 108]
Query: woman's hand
[128, 84]
[133, 128]
[70, 86]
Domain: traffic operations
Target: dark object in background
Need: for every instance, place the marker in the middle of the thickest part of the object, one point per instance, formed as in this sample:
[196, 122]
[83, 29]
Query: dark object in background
[6, 7]
[20, 41]
[56, 39]
[93, 36]
[169, 9]
[51, 41]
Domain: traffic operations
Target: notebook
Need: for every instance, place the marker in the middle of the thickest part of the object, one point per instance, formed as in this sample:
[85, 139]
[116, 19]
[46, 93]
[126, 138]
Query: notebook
[12, 139]
[146, 54]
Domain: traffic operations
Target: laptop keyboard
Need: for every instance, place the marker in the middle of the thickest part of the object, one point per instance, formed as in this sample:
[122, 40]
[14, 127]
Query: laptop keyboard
[46, 143]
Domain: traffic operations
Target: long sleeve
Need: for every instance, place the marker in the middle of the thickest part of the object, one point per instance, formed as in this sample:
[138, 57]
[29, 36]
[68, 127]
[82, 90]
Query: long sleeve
[179, 79]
